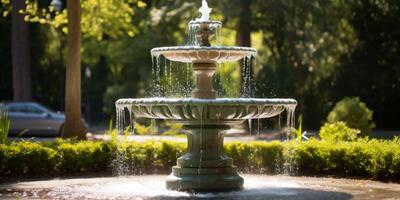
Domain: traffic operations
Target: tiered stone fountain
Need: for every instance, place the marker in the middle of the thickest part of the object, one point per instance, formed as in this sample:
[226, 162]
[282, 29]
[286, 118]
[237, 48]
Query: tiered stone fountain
[206, 118]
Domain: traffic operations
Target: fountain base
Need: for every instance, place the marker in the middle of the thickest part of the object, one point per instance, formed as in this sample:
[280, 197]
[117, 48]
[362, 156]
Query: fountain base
[205, 166]
[205, 182]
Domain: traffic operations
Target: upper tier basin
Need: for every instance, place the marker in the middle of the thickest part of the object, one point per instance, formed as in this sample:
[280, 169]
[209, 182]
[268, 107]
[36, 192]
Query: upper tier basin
[197, 54]
[207, 111]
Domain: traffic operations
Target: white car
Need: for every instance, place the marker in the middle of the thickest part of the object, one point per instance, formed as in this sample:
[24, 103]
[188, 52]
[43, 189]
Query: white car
[33, 119]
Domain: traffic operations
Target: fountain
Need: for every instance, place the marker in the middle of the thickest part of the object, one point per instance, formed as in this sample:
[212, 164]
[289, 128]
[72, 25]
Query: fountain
[206, 118]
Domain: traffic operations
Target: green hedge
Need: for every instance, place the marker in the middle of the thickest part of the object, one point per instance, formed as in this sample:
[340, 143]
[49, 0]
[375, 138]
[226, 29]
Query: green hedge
[364, 158]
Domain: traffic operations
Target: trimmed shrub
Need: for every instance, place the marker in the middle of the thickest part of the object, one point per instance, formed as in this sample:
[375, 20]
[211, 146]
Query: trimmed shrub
[354, 112]
[362, 158]
[338, 131]
[83, 156]
[24, 158]
[257, 157]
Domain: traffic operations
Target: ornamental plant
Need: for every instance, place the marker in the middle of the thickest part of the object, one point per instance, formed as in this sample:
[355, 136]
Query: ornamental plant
[338, 131]
[4, 125]
[354, 112]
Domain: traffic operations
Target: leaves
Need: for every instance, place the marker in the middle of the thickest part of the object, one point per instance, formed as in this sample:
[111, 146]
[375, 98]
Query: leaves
[354, 112]
[99, 18]
[338, 131]
[4, 125]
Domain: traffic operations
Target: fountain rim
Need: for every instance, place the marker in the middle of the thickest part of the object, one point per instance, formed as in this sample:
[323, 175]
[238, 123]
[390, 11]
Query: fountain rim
[195, 101]
[205, 22]
[202, 48]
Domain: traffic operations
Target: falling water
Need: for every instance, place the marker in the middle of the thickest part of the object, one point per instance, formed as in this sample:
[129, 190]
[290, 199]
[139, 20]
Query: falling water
[122, 125]
[279, 121]
[249, 124]
[247, 77]
[201, 110]
[119, 164]
[290, 119]
[120, 115]
[170, 73]
[132, 121]
[156, 73]
[192, 35]
[218, 35]
[194, 28]
[219, 80]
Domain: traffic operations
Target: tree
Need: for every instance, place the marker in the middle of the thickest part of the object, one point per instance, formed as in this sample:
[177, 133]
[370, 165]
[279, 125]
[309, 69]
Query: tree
[20, 54]
[303, 42]
[372, 70]
[73, 126]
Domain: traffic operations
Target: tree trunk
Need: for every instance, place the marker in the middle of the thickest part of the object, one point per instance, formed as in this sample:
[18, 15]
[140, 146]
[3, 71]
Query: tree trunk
[243, 38]
[21, 69]
[243, 35]
[73, 124]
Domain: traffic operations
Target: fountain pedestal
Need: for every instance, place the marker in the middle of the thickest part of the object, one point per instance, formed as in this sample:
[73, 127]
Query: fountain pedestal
[204, 73]
[205, 166]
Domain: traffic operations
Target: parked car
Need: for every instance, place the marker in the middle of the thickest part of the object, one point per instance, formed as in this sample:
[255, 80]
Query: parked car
[33, 119]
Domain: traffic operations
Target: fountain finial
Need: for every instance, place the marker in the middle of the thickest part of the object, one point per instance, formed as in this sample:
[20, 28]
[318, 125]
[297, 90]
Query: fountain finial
[205, 12]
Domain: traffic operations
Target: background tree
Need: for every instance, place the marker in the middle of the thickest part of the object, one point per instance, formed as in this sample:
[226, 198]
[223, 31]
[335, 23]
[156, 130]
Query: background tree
[372, 70]
[21, 69]
[73, 126]
[303, 43]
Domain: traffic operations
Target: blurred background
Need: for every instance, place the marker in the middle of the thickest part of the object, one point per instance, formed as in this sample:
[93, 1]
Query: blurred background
[317, 52]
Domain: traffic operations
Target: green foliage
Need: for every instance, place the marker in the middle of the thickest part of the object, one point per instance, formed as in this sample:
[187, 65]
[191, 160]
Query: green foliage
[354, 112]
[113, 133]
[338, 131]
[4, 125]
[173, 129]
[142, 129]
[83, 156]
[298, 133]
[111, 17]
[27, 158]
[371, 71]
[257, 157]
[365, 158]
[300, 53]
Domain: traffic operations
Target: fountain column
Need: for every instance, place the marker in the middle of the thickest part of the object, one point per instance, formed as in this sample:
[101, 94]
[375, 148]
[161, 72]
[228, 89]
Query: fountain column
[204, 73]
[205, 166]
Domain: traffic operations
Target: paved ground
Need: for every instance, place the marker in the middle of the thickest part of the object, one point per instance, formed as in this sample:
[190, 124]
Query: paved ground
[152, 187]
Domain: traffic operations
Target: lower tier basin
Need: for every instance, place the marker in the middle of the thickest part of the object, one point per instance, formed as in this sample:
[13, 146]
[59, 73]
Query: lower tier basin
[205, 111]
[204, 166]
